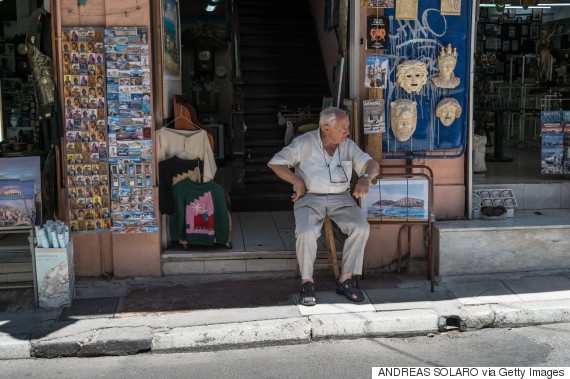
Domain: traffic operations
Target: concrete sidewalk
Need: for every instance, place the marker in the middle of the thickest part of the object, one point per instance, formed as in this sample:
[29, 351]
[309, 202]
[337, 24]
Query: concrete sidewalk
[198, 313]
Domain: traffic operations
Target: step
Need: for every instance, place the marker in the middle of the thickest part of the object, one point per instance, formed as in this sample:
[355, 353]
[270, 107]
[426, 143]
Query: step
[265, 143]
[222, 262]
[20, 270]
[531, 240]
[541, 195]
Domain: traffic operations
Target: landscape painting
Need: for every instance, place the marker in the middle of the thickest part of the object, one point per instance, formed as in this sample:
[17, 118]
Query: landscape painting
[397, 200]
[21, 170]
[17, 203]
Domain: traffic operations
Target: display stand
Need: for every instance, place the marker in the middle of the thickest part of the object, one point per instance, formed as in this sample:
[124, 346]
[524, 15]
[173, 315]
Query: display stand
[421, 171]
[24, 230]
[54, 276]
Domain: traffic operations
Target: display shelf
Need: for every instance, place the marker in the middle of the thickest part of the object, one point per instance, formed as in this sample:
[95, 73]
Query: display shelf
[21, 248]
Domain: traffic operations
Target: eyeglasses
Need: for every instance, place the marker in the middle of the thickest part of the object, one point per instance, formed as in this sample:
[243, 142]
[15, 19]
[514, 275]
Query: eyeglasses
[337, 174]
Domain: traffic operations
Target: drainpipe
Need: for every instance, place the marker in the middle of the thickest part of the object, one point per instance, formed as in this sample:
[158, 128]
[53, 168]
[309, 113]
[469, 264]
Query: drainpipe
[470, 127]
[354, 48]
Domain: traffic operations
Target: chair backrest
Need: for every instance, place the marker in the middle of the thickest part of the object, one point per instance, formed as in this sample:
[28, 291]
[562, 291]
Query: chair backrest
[186, 118]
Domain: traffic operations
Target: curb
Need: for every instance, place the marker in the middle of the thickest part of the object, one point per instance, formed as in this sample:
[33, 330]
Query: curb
[115, 337]
[374, 324]
[12, 347]
[226, 336]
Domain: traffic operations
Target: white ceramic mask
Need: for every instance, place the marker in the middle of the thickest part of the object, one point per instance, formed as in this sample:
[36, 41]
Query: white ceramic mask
[448, 110]
[403, 118]
[411, 75]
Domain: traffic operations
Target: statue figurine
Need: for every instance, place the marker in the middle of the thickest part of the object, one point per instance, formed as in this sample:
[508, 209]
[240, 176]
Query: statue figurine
[543, 51]
[479, 149]
[446, 62]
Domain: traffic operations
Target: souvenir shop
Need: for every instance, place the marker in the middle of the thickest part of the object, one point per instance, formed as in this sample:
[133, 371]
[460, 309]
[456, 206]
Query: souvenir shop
[154, 126]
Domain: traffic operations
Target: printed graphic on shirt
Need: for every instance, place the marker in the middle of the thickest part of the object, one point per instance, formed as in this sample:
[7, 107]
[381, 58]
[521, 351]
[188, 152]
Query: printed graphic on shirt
[200, 215]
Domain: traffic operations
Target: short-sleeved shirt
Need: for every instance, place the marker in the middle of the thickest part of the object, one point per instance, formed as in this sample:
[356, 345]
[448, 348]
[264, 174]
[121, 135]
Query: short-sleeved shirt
[316, 167]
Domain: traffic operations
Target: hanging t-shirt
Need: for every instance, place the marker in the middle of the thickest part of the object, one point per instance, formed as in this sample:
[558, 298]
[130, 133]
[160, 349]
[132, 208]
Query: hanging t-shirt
[172, 171]
[200, 214]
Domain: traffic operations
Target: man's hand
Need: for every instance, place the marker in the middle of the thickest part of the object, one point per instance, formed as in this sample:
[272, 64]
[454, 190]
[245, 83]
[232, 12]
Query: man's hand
[362, 187]
[300, 191]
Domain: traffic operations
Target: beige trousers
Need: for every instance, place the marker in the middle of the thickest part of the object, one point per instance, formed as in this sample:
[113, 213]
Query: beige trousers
[310, 211]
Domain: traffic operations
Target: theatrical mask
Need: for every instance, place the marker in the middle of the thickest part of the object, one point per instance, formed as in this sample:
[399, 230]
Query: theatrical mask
[446, 62]
[448, 110]
[411, 75]
[403, 118]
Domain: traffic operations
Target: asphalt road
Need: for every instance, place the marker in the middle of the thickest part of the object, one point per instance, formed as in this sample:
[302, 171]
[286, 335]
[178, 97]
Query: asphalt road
[547, 345]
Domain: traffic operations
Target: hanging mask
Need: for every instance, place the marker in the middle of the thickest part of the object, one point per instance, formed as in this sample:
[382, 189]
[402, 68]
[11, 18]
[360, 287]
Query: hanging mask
[403, 118]
[448, 110]
[411, 75]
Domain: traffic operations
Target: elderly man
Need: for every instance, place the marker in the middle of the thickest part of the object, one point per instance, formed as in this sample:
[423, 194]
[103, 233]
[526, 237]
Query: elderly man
[324, 160]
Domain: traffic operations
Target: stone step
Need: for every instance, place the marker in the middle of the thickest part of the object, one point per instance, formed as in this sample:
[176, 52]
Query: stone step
[543, 195]
[531, 240]
[224, 261]
[15, 272]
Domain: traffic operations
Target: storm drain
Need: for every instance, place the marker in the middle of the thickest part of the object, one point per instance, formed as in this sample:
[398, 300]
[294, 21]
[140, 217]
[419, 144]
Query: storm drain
[453, 323]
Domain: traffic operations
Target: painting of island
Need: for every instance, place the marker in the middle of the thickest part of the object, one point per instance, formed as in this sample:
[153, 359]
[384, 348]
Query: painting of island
[397, 200]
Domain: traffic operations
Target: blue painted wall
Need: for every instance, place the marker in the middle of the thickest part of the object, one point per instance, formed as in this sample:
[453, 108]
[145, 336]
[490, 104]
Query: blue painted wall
[422, 40]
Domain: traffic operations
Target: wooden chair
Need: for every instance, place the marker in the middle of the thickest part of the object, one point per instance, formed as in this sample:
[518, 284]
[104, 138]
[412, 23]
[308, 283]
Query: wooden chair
[332, 259]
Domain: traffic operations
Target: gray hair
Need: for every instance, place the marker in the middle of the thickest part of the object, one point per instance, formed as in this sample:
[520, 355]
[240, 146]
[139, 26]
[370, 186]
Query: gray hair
[331, 115]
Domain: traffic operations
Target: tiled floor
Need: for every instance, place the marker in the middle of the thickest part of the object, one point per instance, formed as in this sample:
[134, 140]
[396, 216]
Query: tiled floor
[525, 168]
[255, 232]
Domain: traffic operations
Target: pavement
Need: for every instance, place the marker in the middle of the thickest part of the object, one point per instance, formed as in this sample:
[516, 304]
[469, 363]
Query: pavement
[199, 313]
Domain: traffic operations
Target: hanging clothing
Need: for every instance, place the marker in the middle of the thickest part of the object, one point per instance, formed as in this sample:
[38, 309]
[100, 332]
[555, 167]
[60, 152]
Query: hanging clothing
[200, 214]
[170, 172]
[186, 144]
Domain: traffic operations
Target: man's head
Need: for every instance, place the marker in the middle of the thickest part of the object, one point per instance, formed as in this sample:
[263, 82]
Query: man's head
[448, 110]
[334, 125]
[403, 118]
[412, 75]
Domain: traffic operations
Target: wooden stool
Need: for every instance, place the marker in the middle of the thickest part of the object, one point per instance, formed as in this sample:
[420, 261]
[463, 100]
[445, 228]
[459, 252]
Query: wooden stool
[332, 263]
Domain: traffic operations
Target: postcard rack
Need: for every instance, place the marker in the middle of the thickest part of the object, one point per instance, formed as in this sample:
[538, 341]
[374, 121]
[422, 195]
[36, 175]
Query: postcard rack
[408, 172]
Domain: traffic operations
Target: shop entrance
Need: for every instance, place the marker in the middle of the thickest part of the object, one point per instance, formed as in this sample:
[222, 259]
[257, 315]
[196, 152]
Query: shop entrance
[274, 64]
[521, 65]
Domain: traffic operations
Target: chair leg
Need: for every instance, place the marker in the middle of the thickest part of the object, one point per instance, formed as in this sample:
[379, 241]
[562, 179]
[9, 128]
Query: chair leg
[331, 247]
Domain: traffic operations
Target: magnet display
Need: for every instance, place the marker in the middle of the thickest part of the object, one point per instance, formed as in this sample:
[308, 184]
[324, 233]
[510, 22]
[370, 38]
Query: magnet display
[129, 128]
[85, 134]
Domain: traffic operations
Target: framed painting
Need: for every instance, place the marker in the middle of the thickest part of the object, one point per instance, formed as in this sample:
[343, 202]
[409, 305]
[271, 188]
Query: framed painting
[24, 175]
[17, 203]
[171, 39]
[534, 31]
[397, 200]
[537, 14]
